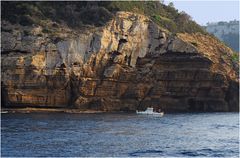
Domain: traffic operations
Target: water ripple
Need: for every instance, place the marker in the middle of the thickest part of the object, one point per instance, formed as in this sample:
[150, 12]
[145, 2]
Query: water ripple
[145, 152]
[104, 135]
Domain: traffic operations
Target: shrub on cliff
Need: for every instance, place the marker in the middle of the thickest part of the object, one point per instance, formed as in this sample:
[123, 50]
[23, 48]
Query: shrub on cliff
[78, 14]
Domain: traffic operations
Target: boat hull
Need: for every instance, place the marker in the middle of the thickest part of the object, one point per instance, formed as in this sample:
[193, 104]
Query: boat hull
[153, 113]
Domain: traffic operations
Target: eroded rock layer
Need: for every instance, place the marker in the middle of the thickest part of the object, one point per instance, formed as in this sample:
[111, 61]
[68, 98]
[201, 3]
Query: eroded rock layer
[128, 64]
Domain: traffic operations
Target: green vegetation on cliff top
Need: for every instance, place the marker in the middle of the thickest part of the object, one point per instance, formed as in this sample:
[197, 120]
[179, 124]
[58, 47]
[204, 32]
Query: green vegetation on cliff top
[84, 13]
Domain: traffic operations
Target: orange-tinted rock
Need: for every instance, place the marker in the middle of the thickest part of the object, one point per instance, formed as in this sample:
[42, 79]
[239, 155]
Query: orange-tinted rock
[128, 64]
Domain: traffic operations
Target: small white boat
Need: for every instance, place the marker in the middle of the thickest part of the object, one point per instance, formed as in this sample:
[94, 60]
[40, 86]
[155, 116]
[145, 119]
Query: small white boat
[150, 111]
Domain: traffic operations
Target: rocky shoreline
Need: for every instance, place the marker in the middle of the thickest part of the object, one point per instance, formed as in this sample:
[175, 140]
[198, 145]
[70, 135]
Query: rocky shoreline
[72, 111]
[49, 110]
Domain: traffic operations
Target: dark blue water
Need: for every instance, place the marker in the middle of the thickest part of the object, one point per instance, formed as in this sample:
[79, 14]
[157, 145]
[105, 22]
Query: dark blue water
[211, 134]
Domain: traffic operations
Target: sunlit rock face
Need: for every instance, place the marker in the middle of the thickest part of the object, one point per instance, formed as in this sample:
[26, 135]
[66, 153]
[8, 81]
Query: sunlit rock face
[128, 64]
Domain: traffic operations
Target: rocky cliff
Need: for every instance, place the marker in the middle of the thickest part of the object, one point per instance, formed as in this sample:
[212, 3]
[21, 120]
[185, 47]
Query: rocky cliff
[228, 32]
[129, 63]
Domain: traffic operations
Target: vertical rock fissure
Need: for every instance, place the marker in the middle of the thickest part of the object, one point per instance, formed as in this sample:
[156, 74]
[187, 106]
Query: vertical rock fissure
[145, 96]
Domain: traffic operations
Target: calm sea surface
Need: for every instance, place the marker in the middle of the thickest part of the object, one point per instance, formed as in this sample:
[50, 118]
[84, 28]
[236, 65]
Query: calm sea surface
[56, 134]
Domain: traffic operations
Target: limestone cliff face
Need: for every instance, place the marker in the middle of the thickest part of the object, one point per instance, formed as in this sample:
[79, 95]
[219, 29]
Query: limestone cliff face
[128, 64]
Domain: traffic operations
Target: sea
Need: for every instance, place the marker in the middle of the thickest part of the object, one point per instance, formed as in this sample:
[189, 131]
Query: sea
[119, 135]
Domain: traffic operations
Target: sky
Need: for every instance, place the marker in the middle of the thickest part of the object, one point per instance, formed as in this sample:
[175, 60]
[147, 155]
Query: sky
[203, 11]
